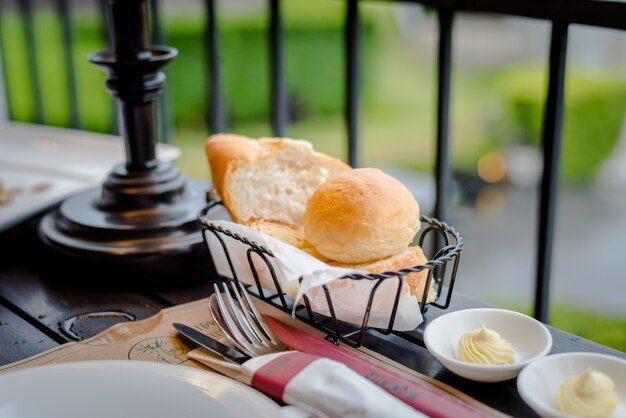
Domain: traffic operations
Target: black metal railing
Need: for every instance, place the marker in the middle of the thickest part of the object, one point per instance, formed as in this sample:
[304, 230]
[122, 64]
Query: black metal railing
[561, 13]
[68, 58]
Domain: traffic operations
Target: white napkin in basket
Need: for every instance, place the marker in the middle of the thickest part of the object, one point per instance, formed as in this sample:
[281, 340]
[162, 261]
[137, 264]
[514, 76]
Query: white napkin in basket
[349, 297]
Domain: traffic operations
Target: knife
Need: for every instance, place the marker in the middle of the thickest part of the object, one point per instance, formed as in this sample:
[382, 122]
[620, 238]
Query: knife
[214, 346]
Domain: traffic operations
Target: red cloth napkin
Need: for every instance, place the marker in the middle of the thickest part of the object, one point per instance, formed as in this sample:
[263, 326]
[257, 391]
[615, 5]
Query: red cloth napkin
[421, 396]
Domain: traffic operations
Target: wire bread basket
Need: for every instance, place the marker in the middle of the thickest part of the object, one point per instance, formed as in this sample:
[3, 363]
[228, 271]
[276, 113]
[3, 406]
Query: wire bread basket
[442, 269]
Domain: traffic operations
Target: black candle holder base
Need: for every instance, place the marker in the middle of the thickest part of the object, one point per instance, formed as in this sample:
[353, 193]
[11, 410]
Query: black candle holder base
[138, 231]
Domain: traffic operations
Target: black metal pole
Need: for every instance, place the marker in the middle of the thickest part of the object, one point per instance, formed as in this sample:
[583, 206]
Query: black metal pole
[352, 51]
[156, 32]
[157, 37]
[26, 11]
[114, 126]
[5, 75]
[135, 80]
[277, 78]
[68, 57]
[444, 64]
[215, 109]
[552, 127]
[104, 22]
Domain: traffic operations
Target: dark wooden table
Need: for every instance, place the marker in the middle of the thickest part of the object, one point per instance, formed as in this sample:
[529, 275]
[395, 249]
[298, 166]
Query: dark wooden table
[34, 304]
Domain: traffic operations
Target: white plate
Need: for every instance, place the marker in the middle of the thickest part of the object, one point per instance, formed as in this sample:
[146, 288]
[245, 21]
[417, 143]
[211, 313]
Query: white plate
[529, 338]
[45, 165]
[122, 388]
[539, 382]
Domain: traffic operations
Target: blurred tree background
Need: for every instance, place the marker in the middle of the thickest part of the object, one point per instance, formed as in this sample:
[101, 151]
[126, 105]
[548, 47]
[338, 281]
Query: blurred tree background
[496, 106]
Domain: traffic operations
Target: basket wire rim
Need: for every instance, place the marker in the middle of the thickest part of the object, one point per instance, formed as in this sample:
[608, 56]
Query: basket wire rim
[439, 259]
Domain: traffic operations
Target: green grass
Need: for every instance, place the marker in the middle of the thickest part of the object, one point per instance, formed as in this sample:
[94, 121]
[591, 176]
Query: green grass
[604, 329]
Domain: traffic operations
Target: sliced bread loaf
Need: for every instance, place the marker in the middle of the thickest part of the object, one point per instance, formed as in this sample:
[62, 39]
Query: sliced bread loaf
[270, 178]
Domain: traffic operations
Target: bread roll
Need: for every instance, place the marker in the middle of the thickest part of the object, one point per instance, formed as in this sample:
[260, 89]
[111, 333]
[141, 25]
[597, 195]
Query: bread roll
[270, 178]
[285, 232]
[361, 215]
[410, 257]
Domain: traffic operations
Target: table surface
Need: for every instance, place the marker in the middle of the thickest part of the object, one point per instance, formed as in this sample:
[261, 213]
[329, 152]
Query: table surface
[34, 305]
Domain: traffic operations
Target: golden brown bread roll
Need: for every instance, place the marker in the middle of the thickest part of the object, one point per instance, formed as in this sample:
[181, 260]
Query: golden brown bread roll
[361, 215]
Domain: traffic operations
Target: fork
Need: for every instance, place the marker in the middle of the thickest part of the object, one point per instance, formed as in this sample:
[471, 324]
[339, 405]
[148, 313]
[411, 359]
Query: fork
[241, 323]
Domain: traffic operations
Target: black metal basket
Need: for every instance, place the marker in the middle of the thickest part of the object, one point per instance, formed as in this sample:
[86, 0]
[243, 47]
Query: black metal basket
[442, 268]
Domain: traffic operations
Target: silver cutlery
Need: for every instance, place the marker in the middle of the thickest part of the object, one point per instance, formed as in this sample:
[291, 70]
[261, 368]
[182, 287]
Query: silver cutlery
[241, 323]
[214, 346]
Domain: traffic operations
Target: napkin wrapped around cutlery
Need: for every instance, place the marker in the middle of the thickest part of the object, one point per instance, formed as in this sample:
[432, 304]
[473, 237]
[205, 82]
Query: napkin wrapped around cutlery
[321, 386]
[422, 397]
[349, 297]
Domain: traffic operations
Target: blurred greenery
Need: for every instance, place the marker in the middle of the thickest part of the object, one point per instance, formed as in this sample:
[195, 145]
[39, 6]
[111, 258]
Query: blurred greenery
[314, 52]
[94, 103]
[315, 58]
[490, 108]
[593, 119]
[604, 329]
